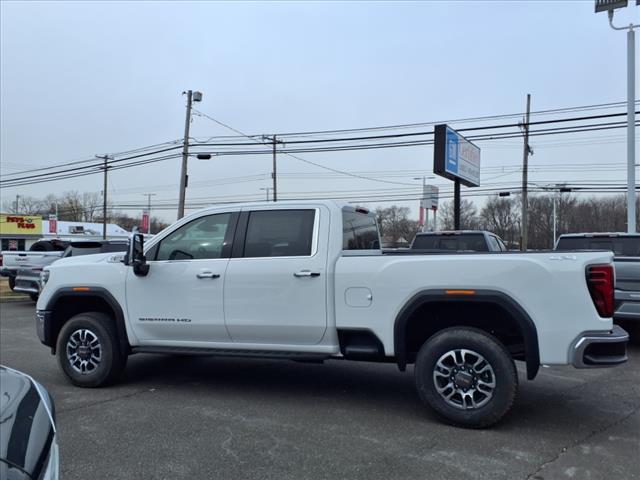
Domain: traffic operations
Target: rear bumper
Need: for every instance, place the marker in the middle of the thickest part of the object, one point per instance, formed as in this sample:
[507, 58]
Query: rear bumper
[27, 286]
[627, 306]
[5, 272]
[600, 349]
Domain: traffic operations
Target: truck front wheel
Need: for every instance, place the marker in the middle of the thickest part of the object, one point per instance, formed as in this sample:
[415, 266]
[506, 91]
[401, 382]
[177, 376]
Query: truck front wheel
[466, 376]
[12, 283]
[88, 352]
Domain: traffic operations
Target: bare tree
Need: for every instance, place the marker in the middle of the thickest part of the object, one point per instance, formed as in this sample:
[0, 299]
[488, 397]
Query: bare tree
[26, 206]
[469, 219]
[92, 206]
[395, 224]
[501, 216]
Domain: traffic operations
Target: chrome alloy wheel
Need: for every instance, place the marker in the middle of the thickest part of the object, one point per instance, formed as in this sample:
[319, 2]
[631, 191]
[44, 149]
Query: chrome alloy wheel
[84, 351]
[464, 379]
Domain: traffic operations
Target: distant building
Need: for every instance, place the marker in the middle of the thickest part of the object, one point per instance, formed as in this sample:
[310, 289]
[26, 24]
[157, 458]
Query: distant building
[19, 232]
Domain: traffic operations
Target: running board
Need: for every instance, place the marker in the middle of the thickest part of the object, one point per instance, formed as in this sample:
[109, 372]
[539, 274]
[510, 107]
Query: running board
[219, 352]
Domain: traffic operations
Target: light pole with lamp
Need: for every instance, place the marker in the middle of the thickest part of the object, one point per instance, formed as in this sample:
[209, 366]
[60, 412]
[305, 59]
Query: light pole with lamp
[609, 6]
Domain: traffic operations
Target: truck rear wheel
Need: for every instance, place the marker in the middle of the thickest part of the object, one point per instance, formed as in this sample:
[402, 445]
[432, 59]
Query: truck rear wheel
[88, 352]
[12, 283]
[466, 376]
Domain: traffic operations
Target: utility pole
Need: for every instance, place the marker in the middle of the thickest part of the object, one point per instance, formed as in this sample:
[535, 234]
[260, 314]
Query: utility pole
[274, 174]
[275, 180]
[17, 198]
[149, 195]
[104, 195]
[184, 179]
[185, 156]
[525, 178]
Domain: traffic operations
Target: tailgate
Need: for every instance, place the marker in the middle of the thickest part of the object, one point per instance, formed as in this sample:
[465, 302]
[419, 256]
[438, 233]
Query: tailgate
[627, 273]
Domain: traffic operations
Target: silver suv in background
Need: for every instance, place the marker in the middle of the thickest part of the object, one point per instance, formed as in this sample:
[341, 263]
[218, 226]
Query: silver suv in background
[626, 250]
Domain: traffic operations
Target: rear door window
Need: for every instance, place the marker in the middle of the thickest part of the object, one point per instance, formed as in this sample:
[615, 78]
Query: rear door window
[279, 233]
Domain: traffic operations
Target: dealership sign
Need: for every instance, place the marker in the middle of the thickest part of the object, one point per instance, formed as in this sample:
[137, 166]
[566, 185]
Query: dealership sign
[455, 157]
[430, 195]
[20, 225]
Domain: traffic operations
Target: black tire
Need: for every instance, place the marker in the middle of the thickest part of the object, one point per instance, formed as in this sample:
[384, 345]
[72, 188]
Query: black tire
[93, 373]
[34, 296]
[471, 383]
[12, 283]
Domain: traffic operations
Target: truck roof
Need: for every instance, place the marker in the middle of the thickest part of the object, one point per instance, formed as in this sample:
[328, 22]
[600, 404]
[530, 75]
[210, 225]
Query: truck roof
[599, 234]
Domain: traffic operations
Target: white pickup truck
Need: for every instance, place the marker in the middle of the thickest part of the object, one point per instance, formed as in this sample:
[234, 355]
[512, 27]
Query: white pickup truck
[307, 281]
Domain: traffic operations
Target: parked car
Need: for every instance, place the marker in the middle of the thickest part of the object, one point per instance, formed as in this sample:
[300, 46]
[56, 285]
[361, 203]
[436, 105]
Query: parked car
[306, 280]
[41, 253]
[28, 278]
[626, 260]
[458, 241]
[28, 439]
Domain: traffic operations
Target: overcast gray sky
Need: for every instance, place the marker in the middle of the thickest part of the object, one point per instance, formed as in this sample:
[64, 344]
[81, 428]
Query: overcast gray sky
[85, 78]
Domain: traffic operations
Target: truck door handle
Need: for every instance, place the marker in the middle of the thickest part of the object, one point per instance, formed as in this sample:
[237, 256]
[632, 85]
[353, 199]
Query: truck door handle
[306, 273]
[207, 275]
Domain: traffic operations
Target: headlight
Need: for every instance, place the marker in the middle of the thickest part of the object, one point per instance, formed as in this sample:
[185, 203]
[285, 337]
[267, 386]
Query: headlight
[44, 278]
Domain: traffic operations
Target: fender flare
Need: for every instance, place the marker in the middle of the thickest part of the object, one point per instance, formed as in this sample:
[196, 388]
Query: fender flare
[103, 294]
[525, 324]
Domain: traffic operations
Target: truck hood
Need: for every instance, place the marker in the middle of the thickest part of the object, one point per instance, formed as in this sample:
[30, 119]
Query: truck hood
[116, 257]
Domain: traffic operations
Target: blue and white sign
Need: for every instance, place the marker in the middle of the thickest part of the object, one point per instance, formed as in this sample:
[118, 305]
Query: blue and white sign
[455, 157]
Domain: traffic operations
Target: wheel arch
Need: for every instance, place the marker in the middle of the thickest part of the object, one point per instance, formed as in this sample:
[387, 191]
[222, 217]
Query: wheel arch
[67, 302]
[427, 299]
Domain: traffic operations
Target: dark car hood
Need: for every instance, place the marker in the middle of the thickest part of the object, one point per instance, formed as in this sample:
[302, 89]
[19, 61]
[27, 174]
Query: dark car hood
[26, 429]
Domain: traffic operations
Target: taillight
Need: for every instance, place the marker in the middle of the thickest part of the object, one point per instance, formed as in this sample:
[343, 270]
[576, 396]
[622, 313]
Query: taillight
[600, 280]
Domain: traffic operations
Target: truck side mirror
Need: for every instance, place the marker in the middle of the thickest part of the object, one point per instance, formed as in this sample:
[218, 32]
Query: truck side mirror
[135, 255]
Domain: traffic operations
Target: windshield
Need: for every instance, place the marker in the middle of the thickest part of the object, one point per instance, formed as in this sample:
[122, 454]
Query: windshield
[621, 246]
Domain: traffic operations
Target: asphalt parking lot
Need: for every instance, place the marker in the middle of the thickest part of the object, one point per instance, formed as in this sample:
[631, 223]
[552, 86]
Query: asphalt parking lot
[174, 417]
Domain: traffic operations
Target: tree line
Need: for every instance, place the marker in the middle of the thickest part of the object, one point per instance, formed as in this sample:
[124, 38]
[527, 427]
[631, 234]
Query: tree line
[502, 216]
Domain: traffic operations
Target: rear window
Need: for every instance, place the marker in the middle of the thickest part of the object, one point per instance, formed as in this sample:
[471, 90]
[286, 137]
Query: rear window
[473, 242]
[621, 246]
[359, 231]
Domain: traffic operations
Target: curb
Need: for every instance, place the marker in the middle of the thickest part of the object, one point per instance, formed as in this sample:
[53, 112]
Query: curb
[15, 299]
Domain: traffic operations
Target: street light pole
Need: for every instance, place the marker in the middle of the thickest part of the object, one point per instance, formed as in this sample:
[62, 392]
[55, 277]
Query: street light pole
[267, 190]
[610, 6]
[631, 134]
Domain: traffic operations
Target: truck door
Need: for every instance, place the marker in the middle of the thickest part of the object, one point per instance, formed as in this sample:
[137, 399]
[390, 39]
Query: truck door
[276, 281]
[181, 300]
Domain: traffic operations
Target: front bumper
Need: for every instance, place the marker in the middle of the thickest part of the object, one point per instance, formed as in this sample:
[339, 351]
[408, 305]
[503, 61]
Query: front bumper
[600, 349]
